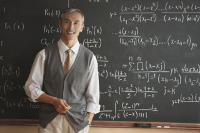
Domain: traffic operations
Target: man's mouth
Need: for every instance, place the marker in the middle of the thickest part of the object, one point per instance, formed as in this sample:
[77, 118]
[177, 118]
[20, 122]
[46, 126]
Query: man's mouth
[70, 32]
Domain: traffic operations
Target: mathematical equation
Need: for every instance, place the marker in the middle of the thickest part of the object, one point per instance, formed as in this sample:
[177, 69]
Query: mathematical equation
[149, 71]
[192, 98]
[52, 13]
[149, 92]
[178, 7]
[9, 86]
[132, 37]
[51, 29]
[132, 110]
[143, 14]
[10, 71]
[21, 103]
[15, 26]
[93, 30]
[166, 82]
[166, 18]
[92, 43]
[45, 42]
[102, 60]
[146, 91]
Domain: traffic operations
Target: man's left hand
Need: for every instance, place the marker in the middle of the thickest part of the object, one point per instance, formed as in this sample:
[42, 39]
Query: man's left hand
[90, 116]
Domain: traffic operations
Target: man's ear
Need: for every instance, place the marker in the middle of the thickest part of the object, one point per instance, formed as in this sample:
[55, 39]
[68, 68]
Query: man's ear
[59, 24]
[82, 27]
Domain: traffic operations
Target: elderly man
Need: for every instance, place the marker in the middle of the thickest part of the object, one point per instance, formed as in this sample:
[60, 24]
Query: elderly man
[64, 79]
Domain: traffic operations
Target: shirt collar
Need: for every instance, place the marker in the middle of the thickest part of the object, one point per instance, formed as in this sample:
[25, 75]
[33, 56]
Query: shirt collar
[63, 47]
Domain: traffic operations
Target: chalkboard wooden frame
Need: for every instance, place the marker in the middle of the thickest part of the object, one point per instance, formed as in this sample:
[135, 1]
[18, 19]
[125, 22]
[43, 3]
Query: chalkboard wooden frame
[109, 48]
[111, 124]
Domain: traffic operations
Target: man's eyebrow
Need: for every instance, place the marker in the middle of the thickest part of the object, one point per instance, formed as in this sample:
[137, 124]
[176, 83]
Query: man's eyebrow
[66, 19]
[70, 20]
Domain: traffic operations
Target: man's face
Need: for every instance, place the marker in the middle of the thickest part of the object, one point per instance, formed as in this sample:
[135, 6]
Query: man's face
[71, 25]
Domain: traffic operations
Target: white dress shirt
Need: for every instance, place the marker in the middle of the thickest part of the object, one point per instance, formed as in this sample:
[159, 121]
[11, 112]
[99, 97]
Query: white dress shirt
[33, 86]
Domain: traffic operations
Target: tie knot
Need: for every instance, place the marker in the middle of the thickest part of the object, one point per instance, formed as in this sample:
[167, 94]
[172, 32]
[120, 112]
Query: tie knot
[69, 51]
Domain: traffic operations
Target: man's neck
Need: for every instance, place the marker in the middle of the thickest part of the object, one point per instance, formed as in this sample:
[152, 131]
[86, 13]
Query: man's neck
[69, 43]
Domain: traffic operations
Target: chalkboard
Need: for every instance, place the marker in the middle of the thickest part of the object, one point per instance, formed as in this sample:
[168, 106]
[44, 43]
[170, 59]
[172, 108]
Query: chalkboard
[147, 51]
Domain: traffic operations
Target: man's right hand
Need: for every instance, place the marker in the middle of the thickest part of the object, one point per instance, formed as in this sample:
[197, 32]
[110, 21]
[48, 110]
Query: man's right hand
[61, 106]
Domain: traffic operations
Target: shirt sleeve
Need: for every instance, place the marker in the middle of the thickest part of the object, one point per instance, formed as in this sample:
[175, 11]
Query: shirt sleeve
[92, 93]
[33, 86]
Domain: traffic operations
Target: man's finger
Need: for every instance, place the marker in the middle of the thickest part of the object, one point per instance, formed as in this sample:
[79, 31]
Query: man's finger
[67, 107]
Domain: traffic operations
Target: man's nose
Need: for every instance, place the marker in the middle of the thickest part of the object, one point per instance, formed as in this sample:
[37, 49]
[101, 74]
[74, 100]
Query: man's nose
[71, 26]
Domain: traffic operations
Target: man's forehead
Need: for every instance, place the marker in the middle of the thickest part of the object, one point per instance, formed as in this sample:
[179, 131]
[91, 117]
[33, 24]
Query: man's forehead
[72, 15]
[71, 20]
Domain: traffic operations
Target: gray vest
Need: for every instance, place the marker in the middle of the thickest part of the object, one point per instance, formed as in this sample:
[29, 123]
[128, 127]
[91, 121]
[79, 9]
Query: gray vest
[70, 87]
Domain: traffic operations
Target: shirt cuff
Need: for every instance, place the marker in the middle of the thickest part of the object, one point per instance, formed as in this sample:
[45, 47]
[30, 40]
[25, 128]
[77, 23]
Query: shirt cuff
[93, 108]
[35, 94]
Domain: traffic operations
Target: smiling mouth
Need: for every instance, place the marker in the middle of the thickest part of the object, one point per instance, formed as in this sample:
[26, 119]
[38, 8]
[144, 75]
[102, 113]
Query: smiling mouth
[70, 32]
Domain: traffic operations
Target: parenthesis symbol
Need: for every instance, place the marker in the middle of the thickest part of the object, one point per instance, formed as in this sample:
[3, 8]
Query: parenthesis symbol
[146, 65]
[196, 97]
[122, 8]
[164, 66]
[137, 30]
[165, 18]
[165, 92]
[100, 42]
[190, 40]
[51, 29]
[168, 40]
[182, 18]
[185, 79]
[181, 98]
[5, 86]
[192, 6]
[124, 114]
[94, 30]
[107, 74]
[2, 70]
[159, 78]
[115, 74]
[22, 26]
[156, 40]
[136, 114]
[52, 13]
[198, 18]
[166, 6]
[120, 18]
[136, 90]
[155, 18]
[140, 18]
[100, 30]
[119, 91]
[156, 6]
[192, 97]
[14, 26]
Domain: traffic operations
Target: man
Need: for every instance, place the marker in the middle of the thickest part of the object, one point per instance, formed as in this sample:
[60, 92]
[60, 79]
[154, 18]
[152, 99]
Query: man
[65, 83]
